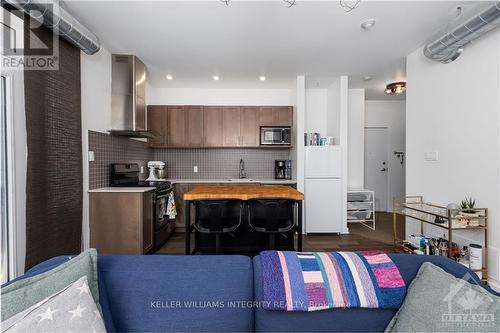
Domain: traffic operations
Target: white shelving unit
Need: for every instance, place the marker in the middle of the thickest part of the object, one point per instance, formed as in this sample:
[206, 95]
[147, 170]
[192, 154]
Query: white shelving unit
[361, 207]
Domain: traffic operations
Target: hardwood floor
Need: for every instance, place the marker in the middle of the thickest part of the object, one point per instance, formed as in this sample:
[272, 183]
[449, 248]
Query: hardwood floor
[359, 238]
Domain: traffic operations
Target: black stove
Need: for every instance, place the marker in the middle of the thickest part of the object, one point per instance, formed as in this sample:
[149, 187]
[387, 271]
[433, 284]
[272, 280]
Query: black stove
[127, 175]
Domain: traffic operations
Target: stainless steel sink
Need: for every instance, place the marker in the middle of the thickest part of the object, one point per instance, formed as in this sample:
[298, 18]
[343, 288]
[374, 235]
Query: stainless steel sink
[240, 180]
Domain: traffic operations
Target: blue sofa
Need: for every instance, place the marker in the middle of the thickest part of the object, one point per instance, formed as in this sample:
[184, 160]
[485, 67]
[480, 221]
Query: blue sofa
[148, 294]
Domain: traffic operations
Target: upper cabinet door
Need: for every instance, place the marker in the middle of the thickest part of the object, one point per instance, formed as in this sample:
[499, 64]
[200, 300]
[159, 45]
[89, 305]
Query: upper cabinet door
[212, 126]
[276, 116]
[176, 122]
[157, 124]
[266, 116]
[195, 131]
[231, 126]
[249, 118]
[283, 115]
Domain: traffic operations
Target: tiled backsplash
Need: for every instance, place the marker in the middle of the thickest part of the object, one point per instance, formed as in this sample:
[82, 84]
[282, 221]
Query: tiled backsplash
[220, 163]
[212, 163]
[113, 149]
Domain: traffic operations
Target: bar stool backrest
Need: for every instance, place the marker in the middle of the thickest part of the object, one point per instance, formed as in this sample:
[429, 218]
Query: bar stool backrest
[271, 215]
[217, 216]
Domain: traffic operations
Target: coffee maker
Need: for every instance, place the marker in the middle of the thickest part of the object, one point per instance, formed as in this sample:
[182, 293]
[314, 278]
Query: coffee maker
[283, 169]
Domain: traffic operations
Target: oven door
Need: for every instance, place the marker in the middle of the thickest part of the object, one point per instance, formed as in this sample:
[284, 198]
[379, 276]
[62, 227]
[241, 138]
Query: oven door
[161, 204]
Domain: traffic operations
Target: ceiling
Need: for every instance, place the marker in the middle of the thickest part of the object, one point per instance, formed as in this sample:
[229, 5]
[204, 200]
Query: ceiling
[194, 40]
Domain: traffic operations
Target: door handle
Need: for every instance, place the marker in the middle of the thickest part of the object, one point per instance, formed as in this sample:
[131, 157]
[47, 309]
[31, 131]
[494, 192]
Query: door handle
[384, 169]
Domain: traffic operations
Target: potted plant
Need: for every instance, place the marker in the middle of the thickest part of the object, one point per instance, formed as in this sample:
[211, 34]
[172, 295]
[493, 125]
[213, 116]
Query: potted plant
[468, 215]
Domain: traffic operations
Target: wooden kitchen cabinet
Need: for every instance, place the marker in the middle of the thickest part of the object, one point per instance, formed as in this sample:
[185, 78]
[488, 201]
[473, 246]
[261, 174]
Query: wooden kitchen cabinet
[212, 126]
[266, 116]
[121, 222]
[231, 126]
[276, 116]
[176, 126]
[283, 115]
[249, 127]
[157, 124]
[194, 126]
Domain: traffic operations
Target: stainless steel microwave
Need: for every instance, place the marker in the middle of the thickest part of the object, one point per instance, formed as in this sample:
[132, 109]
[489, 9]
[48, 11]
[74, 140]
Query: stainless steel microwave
[276, 136]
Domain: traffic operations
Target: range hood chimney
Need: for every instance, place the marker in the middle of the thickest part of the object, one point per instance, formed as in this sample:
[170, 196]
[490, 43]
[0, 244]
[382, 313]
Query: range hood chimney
[128, 97]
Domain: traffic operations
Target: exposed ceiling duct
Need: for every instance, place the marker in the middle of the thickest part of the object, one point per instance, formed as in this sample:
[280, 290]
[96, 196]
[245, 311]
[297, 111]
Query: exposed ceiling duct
[54, 17]
[449, 46]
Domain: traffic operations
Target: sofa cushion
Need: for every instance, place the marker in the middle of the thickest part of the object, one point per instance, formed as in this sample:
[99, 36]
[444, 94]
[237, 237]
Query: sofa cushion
[22, 293]
[71, 309]
[439, 301]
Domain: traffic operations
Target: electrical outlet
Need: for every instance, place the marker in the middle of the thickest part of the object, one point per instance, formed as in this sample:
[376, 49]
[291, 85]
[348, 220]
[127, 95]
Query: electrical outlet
[195, 169]
[431, 156]
[91, 156]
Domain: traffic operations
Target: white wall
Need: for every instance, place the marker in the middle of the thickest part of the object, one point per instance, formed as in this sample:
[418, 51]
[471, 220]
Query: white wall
[96, 115]
[316, 107]
[201, 96]
[390, 114]
[299, 121]
[454, 109]
[333, 113]
[356, 138]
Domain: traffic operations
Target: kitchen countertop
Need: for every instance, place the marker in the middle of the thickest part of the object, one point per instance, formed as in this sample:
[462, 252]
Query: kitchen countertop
[122, 190]
[243, 192]
[232, 181]
[235, 181]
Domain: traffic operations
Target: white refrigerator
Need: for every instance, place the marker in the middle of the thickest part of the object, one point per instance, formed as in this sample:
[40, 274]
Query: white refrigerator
[323, 189]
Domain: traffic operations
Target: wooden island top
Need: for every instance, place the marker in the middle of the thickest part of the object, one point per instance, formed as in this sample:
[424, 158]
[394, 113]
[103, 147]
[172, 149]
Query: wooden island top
[243, 192]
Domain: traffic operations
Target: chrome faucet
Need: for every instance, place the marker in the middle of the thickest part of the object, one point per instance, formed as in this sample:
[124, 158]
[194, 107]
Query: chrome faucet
[242, 173]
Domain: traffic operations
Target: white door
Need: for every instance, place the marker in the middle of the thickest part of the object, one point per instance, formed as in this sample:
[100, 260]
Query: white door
[377, 164]
[323, 205]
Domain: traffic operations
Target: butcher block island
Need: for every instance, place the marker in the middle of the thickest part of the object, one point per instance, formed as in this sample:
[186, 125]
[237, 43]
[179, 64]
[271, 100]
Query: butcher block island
[243, 218]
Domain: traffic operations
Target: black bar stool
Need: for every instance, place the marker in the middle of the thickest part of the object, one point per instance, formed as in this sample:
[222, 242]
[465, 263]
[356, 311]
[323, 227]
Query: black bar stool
[217, 217]
[271, 216]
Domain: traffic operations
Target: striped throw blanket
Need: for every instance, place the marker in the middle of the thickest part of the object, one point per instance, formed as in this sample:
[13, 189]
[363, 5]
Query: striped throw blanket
[311, 281]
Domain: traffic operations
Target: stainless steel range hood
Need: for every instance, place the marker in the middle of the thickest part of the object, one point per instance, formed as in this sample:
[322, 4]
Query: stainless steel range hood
[128, 97]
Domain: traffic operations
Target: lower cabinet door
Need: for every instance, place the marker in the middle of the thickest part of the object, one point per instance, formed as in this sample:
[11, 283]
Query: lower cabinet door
[323, 205]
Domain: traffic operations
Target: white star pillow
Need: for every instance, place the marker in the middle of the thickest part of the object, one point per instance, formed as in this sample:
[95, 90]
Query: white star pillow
[71, 309]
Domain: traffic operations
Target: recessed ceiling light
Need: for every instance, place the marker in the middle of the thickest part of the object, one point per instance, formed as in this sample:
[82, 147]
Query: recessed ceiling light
[367, 78]
[216, 77]
[169, 77]
[262, 78]
[368, 24]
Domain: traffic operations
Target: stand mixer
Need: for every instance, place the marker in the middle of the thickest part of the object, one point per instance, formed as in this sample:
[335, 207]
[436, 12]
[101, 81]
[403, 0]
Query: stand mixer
[157, 171]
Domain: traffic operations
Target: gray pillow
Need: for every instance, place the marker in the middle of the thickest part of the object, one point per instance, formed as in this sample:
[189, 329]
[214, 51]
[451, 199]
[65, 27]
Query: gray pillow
[71, 309]
[22, 294]
[437, 301]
